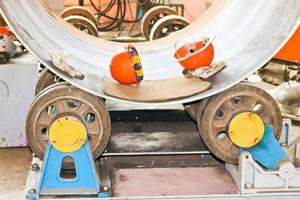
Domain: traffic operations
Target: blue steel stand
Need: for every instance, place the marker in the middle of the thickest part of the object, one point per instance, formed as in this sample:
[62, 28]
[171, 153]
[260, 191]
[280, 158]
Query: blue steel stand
[268, 151]
[86, 181]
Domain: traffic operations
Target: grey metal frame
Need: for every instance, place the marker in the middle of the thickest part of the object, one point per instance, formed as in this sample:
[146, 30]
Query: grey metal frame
[250, 177]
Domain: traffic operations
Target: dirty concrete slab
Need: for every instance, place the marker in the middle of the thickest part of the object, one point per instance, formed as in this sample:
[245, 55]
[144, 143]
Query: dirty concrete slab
[14, 166]
[172, 182]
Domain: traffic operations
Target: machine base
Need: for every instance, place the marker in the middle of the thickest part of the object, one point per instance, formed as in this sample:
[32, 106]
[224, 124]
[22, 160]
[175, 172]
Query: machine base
[168, 175]
[213, 183]
[53, 180]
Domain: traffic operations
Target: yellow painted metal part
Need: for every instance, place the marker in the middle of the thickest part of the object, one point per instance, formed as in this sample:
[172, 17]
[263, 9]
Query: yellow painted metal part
[140, 72]
[246, 129]
[67, 134]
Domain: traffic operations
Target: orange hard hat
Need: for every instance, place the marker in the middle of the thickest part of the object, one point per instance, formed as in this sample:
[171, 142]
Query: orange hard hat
[194, 55]
[126, 67]
[4, 30]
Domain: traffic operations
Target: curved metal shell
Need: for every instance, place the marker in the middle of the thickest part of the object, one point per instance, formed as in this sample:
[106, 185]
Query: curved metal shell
[248, 33]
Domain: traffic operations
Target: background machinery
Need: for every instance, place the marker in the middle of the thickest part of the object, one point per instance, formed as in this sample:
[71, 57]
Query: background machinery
[65, 107]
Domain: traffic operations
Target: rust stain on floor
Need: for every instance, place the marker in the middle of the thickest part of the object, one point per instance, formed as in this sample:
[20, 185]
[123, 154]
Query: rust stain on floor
[14, 167]
[172, 181]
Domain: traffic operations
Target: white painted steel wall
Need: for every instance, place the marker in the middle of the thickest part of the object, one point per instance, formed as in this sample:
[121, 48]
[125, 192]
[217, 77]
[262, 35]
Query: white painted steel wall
[17, 84]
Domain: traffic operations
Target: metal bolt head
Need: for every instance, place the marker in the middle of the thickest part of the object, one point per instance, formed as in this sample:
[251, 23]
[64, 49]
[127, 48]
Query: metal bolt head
[284, 145]
[35, 167]
[81, 142]
[31, 191]
[105, 188]
[286, 172]
[248, 185]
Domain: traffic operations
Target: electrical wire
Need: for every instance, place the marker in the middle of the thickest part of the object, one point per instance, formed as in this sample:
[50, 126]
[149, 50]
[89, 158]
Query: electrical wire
[114, 23]
[119, 18]
[122, 7]
[133, 24]
[108, 8]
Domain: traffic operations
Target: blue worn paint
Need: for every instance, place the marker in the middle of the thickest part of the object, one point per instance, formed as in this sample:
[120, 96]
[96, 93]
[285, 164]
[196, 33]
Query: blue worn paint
[86, 176]
[268, 151]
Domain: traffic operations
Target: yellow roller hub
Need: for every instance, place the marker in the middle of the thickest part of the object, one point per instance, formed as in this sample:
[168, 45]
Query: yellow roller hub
[246, 129]
[67, 134]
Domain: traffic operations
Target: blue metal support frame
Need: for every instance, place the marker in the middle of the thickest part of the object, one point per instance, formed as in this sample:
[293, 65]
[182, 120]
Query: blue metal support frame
[85, 182]
[268, 151]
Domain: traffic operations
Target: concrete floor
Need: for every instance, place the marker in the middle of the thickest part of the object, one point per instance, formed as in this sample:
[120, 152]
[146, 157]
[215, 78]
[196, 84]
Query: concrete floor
[173, 182]
[14, 166]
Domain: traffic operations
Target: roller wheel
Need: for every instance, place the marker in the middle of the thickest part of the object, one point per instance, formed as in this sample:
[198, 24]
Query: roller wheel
[45, 79]
[79, 11]
[167, 25]
[192, 108]
[61, 100]
[152, 16]
[214, 115]
[83, 24]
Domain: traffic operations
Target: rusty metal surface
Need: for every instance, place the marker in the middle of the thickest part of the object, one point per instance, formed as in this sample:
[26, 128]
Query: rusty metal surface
[83, 24]
[288, 97]
[277, 72]
[45, 79]
[248, 33]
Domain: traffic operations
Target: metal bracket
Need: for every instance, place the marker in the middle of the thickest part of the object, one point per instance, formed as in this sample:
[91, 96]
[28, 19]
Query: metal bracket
[250, 177]
[48, 180]
[285, 132]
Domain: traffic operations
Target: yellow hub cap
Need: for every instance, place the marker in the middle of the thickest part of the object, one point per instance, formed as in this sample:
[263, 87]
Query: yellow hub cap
[67, 134]
[246, 129]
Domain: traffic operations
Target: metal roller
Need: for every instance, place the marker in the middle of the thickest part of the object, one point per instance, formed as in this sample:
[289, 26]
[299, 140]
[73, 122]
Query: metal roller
[63, 100]
[247, 34]
[152, 16]
[45, 79]
[167, 25]
[83, 24]
[220, 109]
[81, 18]
[79, 11]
